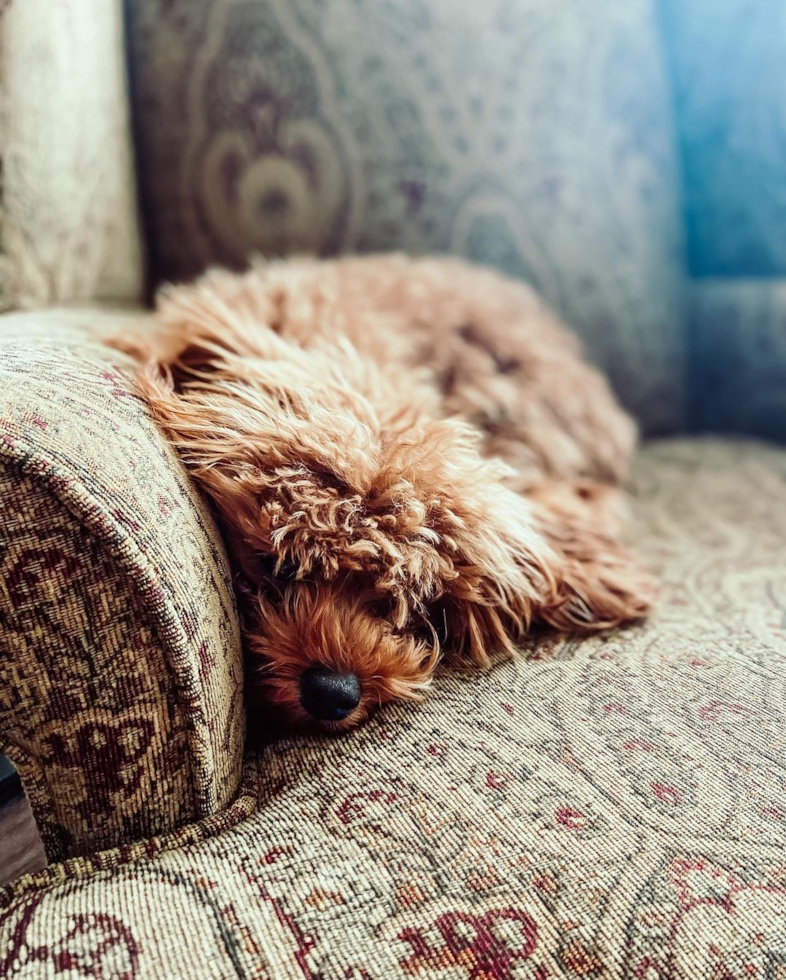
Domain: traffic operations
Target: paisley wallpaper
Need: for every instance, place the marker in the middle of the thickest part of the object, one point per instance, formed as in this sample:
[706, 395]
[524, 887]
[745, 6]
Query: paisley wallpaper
[534, 136]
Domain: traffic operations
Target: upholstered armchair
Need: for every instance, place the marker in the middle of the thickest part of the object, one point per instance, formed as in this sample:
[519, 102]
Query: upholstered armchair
[610, 807]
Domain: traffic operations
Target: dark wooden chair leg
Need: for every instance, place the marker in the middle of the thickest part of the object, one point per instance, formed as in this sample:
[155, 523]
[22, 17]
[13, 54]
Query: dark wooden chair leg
[21, 850]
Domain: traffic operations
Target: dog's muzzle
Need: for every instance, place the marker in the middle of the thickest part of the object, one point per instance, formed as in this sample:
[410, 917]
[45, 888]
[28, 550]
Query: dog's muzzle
[329, 695]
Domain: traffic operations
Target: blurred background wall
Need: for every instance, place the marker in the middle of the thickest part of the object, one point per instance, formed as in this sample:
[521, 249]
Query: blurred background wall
[728, 64]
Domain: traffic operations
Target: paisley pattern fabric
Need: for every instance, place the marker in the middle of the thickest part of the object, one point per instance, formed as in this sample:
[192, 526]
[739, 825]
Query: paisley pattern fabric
[534, 136]
[608, 808]
[738, 382]
[68, 226]
[731, 106]
[120, 670]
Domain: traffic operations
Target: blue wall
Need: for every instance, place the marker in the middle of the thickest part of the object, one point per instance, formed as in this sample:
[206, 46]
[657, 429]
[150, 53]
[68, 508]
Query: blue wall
[728, 60]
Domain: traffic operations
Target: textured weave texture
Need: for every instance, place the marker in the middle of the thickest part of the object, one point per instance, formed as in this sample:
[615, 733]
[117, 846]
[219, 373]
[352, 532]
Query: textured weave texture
[535, 136]
[68, 228]
[611, 808]
[120, 671]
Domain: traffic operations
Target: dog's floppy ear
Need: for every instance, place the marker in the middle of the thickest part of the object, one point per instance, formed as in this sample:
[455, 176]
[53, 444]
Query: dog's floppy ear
[505, 560]
[502, 574]
[473, 553]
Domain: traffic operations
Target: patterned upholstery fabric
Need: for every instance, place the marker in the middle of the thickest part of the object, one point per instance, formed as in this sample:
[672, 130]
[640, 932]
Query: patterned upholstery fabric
[68, 228]
[612, 808]
[535, 136]
[609, 808]
[728, 63]
[120, 670]
[739, 356]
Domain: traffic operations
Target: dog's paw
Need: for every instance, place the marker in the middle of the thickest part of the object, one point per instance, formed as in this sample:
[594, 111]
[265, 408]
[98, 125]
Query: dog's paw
[602, 591]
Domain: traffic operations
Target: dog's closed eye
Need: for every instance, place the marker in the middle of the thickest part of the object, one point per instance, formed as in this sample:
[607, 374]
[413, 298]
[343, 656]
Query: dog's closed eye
[382, 607]
[278, 568]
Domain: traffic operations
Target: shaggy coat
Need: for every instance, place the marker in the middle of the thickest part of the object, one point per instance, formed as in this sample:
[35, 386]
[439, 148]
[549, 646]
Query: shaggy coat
[409, 458]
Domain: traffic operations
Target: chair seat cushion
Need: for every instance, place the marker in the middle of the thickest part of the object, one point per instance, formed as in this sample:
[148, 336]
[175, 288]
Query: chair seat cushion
[612, 807]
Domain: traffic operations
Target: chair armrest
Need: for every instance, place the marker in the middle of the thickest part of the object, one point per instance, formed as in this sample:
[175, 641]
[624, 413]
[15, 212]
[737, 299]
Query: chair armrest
[120, 660]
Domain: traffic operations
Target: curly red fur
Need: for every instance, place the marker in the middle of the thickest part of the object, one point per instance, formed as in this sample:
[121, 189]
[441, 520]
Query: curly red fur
[408, 457]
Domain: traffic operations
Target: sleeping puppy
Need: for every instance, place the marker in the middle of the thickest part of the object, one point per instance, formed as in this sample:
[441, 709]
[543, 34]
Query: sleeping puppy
[409, 459]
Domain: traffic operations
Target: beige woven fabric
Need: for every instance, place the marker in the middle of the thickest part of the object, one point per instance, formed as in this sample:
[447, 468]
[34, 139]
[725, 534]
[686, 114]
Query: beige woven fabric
[120, 670]
[68, 225]
[612, 808]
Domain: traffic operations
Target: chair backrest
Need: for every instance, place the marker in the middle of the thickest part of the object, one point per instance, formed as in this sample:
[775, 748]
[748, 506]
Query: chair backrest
[533, 135]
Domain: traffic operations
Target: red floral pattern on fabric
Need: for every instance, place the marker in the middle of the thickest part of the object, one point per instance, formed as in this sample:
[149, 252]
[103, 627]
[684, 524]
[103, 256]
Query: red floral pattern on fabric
[610, 808]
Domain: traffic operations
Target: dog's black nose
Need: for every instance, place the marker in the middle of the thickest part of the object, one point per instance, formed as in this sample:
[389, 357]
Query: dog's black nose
[328, 694]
